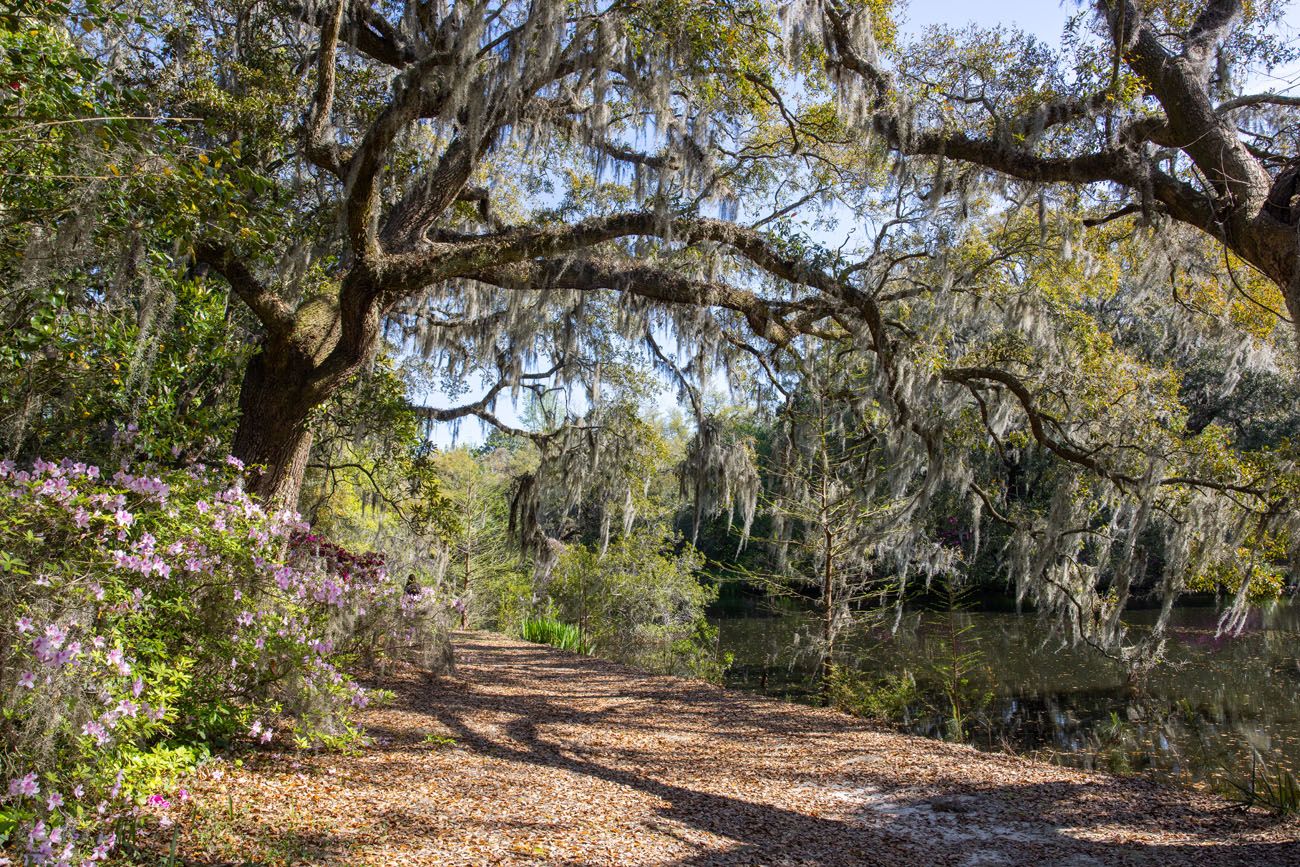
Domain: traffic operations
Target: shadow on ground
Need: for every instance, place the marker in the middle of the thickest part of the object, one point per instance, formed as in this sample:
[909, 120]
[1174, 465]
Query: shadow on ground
[731, 779]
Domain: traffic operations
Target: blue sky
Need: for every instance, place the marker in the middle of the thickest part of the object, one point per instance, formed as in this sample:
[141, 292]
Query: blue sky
[1043, 18]
[1046, 18]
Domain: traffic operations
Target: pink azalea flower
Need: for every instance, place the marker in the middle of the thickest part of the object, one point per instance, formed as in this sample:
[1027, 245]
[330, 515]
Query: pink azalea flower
[96, 731]
[25, 787]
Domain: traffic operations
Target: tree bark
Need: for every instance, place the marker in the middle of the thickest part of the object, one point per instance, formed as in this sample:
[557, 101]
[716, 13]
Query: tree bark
[828, 566]
[828, 623]
[296, 370]
[273, 438]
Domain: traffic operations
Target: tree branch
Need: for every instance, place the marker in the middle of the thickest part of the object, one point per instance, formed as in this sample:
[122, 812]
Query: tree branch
[1254, 99]
[367, 31]
[270, 309]
[480, 406]
[643, 280]
[321, 145]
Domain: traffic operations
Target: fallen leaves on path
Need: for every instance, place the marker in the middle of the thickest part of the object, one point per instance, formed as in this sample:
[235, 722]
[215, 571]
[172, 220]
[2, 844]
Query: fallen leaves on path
[566, 760]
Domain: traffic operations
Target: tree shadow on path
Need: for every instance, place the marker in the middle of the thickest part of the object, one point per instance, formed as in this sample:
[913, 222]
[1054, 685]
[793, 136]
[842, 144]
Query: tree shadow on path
[536, 706]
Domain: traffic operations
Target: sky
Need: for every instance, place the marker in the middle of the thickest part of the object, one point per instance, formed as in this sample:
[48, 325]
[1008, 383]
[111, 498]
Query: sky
[1043, 18]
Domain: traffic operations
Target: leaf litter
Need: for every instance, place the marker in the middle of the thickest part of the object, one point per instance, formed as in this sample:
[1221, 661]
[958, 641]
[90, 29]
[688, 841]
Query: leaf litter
[529, 755]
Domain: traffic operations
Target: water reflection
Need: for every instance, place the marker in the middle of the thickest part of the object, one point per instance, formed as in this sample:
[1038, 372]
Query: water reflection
[1195, 719]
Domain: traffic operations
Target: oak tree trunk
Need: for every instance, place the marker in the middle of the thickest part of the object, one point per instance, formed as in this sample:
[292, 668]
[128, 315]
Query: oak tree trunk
[273, 438]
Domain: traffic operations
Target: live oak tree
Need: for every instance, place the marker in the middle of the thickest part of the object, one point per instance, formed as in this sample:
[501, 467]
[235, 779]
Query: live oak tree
[1029, 380]
[521, 191]
[416, 116]
[1143, 114]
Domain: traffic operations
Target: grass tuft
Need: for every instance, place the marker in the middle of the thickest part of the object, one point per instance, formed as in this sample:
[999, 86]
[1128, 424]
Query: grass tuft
[547, 630]
[1276, 790]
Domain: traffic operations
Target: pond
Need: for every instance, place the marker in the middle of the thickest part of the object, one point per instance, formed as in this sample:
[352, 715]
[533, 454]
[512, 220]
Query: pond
[1219, 704]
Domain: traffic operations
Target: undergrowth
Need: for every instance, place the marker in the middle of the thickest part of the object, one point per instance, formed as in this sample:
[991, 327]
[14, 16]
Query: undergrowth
[548, 630]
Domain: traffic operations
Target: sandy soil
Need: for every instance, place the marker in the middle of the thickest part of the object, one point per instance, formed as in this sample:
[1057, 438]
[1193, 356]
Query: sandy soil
[565, 760]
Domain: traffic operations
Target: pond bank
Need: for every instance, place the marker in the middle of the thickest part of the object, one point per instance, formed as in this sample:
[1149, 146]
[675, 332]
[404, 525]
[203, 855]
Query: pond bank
[1216, 705]
[528, 755]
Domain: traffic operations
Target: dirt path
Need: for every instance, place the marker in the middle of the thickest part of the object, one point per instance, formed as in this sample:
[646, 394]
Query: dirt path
[566, 760]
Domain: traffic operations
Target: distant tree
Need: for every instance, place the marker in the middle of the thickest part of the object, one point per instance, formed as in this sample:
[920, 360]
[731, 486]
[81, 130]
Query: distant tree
[373, 476]
[477, 550]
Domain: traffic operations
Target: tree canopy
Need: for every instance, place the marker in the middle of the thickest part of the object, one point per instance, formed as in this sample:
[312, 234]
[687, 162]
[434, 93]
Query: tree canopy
[1026, 263]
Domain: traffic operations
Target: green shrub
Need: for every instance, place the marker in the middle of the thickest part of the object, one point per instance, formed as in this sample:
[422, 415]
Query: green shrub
[640, 602]
[890, 699]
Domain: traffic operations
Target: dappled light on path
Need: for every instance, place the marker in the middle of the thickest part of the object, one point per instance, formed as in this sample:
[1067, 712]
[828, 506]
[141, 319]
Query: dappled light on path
[560, 759]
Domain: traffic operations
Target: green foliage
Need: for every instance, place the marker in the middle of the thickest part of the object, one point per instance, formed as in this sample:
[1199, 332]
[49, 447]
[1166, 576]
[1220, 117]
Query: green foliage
[956, 662]
[371, 465]
[892, 699]
[487, 578]
[639, 601]
[157, 381]
[62, 127]
[546, 629]
[113, 348]
[1261, 566]
[1275, 790]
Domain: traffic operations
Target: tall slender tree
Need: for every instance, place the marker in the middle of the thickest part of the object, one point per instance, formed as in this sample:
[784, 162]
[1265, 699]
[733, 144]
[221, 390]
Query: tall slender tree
[832, 516]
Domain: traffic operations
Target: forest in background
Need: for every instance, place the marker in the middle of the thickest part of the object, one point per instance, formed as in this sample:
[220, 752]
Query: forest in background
[946, 315]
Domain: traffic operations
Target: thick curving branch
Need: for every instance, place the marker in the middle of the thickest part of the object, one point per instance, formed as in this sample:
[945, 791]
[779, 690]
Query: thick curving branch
[269, 308]
[1228, 192]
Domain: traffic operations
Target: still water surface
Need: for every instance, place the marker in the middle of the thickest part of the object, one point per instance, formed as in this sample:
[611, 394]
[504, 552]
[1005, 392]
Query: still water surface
[1219, 703]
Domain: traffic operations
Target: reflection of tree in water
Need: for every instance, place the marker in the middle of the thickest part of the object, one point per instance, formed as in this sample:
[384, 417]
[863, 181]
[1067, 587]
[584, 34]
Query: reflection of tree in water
[1200, 717]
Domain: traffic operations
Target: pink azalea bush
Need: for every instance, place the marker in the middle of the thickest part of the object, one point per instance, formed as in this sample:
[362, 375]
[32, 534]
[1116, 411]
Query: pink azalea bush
[151, 616]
